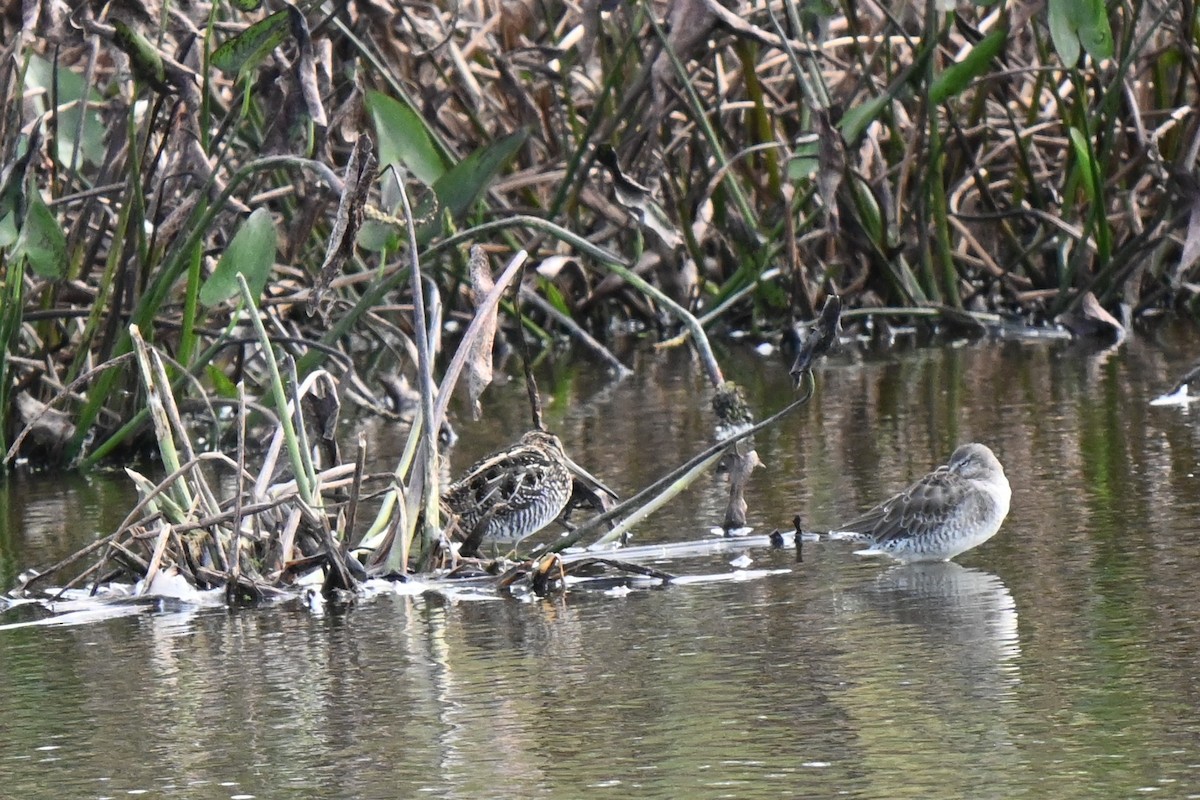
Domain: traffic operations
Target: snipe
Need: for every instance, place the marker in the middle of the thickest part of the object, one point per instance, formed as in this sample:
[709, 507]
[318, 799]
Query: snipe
[516, 492]
[956, 507]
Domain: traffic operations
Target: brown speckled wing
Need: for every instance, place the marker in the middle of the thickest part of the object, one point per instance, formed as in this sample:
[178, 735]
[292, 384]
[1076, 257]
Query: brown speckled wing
[510, 494]
[922, 507]
[504, 478]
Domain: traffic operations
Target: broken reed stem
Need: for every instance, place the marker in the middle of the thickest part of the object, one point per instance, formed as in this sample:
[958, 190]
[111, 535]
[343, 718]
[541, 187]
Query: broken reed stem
[79, 579]
[474, 330]
[66, 562]
[133, 562]
[659, 500]
[160, 547]
[671, 481]
[303, 480]
[251, 510]
[612, 262]
[192, 489]
[301, 428]
[235, 556]
[360, 463]
[206, 500]
[158, 414]
[425, 480]
[162, 486]
[573, 328]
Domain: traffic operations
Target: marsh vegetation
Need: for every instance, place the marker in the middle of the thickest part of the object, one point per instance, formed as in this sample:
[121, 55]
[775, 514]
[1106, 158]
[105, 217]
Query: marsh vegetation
[220, 221]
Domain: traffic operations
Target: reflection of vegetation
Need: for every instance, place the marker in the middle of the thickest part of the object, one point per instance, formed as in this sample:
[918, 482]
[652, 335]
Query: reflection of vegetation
[9, 562]
[45, 518]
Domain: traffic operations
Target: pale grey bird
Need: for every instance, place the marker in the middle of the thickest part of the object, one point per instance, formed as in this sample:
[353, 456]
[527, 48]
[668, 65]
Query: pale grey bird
[956, 507]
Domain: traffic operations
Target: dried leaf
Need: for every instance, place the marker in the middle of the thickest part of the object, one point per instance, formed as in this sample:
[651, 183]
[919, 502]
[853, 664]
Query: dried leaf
[49, 428]
[820, 339]
[831, 164]
[1090, 319]
[306, 68]
[479, 362]
[551, 266]
[638, 199]
[589, 12]
[740, 467]
[1191, 246]
[322, 406]
[357, 183]
[689, 24]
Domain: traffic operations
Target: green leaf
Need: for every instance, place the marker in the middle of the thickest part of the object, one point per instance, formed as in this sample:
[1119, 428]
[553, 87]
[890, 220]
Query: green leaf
[42, 240]
[452, 195]
[379, 236]
[1062, 32]
[554, 297]
[8, 229]
[957, 77]
[1080, 24]
[375, 237]
[252, 253]
[73, 97]
[856, 120]
[870, 216]
[246, 51]
[144, 58]
[246, 5]
[1087, 164]
[404, 139]
[804, 163]
[462, 186]
[1095, 33]
[221, 383]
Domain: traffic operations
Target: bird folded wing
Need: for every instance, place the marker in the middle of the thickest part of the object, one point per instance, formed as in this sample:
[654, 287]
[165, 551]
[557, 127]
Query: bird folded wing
[926, 504]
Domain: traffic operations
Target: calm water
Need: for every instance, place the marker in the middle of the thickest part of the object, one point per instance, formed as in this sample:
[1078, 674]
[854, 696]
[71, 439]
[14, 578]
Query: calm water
[1057, 660]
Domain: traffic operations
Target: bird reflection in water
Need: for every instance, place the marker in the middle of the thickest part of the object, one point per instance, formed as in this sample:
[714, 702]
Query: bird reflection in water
[958, 621]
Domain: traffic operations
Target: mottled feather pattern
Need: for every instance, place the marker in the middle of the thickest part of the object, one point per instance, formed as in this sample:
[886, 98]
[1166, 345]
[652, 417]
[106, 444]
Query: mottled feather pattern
[952, 509]
[513, 493]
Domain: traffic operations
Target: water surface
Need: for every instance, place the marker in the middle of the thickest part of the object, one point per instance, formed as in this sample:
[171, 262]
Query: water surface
[1057, 660]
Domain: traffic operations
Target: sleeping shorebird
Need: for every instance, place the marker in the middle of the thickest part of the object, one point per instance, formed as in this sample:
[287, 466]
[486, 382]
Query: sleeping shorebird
[956, 507]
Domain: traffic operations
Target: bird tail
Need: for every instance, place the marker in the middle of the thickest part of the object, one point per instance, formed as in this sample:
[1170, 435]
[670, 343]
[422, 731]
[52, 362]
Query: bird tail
[846, 536]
